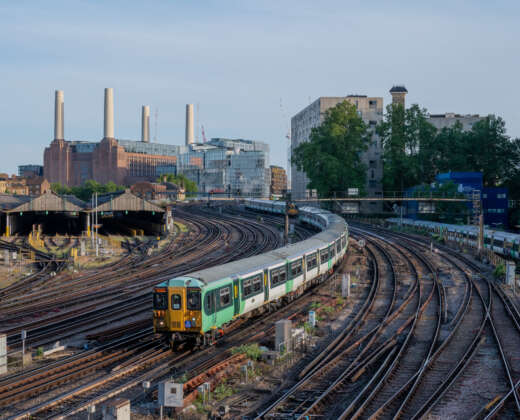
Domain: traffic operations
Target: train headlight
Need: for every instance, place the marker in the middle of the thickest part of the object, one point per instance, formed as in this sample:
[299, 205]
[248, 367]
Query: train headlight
[161, 323]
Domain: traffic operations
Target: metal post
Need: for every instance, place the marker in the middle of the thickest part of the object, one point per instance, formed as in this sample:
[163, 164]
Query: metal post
[97, 243]
[286, 230]
[161, 412]
[24, 336]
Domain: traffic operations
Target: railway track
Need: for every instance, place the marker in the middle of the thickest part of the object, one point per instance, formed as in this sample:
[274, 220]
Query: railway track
[474, 371]
[246, 238]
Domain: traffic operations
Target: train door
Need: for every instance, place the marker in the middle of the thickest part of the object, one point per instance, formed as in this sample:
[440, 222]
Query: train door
[236, 295]
[266, 285]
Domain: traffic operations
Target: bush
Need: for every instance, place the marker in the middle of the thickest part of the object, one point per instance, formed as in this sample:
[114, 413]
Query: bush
[222, 391]
[315, 305]
[252, 351]
[500, 271]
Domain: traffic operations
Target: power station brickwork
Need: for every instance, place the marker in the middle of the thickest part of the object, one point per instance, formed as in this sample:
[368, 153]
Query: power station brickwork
[235, 166]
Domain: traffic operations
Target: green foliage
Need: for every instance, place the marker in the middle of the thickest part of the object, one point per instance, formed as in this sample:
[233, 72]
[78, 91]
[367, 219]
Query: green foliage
[39, 351]
[181, 180]
[414, 152]
[199, 404]
[340, 301]
[222, 391]
[183, 379]
[252, 351]
[500, 271]
[328, 310]
[309, 329]
[86, 191]
[331, 159]
[315, 305]
[406, 136]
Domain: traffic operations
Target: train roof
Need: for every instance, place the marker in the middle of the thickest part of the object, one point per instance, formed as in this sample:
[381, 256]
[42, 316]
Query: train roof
[258, 262]
[499, 234]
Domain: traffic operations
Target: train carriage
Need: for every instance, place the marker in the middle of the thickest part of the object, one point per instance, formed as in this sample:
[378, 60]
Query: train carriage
[196, 306]
[505, 243]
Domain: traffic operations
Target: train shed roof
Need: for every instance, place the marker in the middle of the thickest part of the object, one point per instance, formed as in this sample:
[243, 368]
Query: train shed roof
[48, 201]
[124, 201]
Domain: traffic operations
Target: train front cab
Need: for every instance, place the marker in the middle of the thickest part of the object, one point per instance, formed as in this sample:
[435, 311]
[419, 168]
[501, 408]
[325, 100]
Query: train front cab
[177, 310]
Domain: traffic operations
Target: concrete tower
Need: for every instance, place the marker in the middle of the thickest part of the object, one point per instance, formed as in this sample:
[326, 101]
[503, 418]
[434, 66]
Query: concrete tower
[145, 124]
[398, 93]
[109, 113]
[58, 116]
[189, 124]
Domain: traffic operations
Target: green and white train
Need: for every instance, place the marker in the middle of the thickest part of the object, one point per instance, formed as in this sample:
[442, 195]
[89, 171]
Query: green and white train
[197, 306]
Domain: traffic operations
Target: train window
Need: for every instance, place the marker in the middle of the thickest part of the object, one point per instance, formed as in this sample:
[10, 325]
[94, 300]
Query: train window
[338, 246]
[176, 302]
[332, 251]
[247, 287]
[324, 255]
[311, 261]
[160, 300]
[208, 303]
[296, 268]
[193, 300]
[225, 296]
[278, 275]
[257, 284]
[344, 242]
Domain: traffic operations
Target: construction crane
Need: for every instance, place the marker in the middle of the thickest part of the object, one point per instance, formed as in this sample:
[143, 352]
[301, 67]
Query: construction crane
[203, 134]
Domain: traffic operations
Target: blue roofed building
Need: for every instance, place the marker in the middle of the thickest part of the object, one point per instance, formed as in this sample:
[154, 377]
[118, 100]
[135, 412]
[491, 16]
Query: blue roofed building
[494, 199]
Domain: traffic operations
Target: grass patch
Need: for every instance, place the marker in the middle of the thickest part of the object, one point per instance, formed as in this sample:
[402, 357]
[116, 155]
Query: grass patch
[252, 351]
[500, 271]
[222, 391]
[181, 227]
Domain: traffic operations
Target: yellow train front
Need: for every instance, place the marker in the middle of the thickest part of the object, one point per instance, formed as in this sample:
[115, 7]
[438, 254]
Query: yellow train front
[177, 311]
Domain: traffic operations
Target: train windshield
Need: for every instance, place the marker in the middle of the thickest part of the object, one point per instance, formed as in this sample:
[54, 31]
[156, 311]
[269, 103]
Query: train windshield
[176, 302]
[193, 300]
[160, 300]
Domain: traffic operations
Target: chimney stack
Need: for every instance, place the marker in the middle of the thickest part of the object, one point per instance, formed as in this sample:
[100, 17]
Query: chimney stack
[145, 124]
[58, 116]
[109, 113]
[189, 124]
[398, 93]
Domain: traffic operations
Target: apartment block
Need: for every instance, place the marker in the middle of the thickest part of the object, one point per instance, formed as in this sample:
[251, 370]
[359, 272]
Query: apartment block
[371, 111]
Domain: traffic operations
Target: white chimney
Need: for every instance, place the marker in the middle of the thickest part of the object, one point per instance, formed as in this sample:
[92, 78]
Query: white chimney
[58, 115]
[145, 124]
[189, 124]
[109, 113]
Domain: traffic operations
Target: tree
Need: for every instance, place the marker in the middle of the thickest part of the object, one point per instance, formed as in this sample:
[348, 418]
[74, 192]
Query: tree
[85, 191]
[407, 139]
[490, 151]
[331, 159]
[181, 180]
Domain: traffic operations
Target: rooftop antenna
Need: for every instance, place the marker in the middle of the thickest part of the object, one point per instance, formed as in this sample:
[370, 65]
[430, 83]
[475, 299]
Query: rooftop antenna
[156, 117]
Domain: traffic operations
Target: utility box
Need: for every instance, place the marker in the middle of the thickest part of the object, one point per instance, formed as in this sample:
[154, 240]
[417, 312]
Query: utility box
[171, 394]
[3, 354]
[283, 335]
[510, 273]
[117, 409]
[345, 285]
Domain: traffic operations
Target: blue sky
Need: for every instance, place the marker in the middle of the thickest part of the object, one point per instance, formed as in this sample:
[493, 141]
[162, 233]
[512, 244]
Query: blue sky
[239, 59]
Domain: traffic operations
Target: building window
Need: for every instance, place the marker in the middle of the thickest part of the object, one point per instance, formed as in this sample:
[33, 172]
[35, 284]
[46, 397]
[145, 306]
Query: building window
[501, 195]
